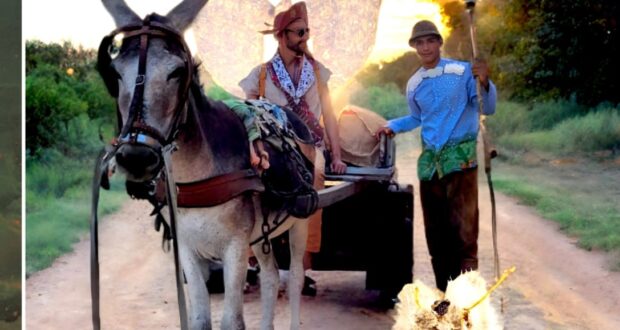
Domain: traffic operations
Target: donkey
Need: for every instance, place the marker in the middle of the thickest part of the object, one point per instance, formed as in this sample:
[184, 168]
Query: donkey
[160, 101]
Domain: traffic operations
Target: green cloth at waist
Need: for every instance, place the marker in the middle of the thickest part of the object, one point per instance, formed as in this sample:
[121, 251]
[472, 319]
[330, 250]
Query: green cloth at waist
[451, 158]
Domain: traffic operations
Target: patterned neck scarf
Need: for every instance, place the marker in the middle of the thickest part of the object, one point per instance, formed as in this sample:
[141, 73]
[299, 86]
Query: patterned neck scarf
[306, 78]
[295, 96]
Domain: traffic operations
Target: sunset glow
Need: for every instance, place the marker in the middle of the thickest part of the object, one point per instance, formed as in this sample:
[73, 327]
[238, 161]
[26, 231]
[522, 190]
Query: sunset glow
[344, 45]
[396, 19]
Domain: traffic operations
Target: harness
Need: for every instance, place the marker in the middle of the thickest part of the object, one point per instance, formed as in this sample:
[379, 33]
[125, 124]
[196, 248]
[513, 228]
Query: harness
[136, 131]
[162, 190]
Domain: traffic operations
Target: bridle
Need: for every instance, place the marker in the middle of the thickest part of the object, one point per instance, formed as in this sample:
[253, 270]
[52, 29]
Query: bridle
[136, 131]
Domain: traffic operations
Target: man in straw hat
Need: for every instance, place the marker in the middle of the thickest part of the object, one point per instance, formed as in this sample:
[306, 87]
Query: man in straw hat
[443, 101]
[294, 79]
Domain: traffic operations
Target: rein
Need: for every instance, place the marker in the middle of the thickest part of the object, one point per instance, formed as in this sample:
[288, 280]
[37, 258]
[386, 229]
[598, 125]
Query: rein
[100, 171]
[136, 131]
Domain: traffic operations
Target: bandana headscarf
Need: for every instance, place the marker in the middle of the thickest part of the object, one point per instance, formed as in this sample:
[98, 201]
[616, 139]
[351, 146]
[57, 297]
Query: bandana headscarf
[285, 18]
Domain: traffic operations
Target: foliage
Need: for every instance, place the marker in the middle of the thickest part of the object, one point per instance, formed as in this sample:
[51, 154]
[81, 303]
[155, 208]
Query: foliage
[598, 130]
[545, 115]
[509, 117]
[68, 110]
[544, 49]
[61, 84]
[395, 72]
[557, 127]
[385, 100]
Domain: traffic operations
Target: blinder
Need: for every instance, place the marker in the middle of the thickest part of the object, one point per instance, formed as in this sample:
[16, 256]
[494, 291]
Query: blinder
[135, 131]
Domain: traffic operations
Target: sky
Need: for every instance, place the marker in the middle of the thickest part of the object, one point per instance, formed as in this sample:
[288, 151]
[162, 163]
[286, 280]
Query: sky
[85, 22]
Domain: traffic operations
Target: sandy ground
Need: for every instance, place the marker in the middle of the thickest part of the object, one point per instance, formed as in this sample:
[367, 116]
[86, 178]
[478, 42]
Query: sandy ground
[556, 285]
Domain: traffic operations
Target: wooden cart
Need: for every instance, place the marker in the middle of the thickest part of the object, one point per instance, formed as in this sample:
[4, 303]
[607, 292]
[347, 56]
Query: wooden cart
[367, 225]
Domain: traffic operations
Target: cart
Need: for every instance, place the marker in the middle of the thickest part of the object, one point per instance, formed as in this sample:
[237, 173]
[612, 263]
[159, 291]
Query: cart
[367, 225]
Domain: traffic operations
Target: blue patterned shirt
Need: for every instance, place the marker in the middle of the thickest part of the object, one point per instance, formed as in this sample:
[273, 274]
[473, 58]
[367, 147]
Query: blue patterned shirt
[444, 102]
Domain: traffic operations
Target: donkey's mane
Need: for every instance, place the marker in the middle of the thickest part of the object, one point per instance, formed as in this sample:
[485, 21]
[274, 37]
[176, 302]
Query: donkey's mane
[219, 127]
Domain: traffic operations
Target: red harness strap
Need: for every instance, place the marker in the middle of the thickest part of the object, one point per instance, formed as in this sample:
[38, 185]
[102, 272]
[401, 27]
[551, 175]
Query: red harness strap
[217, 190]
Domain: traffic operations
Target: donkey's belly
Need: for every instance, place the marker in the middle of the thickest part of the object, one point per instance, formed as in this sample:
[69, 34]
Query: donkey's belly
[209, 231]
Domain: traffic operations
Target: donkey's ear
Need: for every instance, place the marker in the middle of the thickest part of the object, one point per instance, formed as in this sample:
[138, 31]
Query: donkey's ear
[184, 13]
[122, 14]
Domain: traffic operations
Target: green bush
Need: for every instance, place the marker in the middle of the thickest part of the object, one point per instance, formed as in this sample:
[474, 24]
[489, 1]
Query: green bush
[598, 130]
[55, 96]
[386, 100]
[67, 113]
[545, 115]
[509, 117]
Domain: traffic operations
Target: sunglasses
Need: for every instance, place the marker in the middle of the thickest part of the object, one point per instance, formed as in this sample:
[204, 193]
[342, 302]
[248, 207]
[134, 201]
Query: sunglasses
[299, 32]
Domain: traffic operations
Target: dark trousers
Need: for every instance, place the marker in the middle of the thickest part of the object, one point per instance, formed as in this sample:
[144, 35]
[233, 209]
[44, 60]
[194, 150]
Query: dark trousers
[450, 207]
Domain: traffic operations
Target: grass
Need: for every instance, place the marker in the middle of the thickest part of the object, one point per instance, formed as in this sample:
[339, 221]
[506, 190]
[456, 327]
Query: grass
[581, 198]
[559, 128]
[58, 194]
[599, 130]
[55, 224]
[581, 195]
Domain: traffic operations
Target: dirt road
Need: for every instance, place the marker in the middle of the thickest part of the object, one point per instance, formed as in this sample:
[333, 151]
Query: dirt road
[556, 285]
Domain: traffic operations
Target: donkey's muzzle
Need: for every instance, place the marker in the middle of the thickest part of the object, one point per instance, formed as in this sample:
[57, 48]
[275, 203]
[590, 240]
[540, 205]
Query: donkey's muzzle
[139, 162]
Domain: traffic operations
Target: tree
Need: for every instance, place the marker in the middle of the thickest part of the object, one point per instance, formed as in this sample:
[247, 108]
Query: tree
[61, 85]
[542, 49]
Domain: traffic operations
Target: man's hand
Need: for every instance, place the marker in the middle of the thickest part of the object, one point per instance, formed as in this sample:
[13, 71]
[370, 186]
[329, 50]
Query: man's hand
[338, 166]
[383, 130]
[480, 69]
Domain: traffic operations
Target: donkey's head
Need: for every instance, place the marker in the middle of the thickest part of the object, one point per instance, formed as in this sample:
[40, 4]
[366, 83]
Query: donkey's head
[147, 67]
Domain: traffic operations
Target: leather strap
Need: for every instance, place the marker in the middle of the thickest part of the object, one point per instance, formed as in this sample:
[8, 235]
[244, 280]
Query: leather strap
[172, 209]
[100, 170]
[217, 190]
[261, 80]
[319, 85]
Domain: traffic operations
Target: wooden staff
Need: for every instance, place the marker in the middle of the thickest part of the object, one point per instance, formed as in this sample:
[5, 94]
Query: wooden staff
[489, 149]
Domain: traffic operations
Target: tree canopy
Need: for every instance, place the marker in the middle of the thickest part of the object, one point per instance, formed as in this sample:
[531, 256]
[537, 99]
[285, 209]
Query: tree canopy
[542, 49]
[537, 49]
[61, 84]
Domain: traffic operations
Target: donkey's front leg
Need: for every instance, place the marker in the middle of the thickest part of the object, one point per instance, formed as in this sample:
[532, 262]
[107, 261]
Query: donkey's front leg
[235, 265]
[269, 281]
[199, 313]
[298, 235]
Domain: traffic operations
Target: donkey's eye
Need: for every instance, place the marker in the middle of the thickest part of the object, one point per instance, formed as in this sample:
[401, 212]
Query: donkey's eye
[115, 45]
[176, 74]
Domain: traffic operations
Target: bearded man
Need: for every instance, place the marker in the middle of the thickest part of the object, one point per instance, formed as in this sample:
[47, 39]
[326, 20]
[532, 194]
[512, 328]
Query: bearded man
[294, 79]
